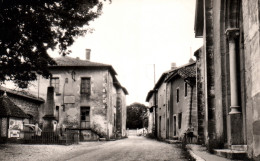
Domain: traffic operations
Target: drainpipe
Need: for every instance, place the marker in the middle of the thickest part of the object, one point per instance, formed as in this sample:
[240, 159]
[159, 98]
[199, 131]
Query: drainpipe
[232, 34]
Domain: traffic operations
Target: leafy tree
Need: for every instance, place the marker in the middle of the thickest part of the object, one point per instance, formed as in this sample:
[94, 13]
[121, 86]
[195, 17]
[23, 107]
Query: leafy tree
[136, 116]
[28, 28]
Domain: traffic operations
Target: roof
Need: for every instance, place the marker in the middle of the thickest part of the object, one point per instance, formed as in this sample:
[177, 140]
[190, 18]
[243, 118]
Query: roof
[199, 19]
[66, 61]
[23, 94]
[9, 109]
[125, 91]
[149, 95]
[187, 72]
[161, 80]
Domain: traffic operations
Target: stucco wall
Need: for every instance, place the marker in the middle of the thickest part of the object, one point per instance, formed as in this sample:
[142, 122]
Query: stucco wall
[161, 111]
[102, 100]
[183, 107]
[151, 115]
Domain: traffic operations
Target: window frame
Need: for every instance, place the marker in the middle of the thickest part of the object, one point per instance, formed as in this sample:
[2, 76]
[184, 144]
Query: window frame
[86, 120]
[86, 91]
[185, 89]
[55, 84]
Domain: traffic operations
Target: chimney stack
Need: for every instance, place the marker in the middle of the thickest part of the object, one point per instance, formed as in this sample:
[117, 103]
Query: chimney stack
[88, 54]
[173, 66]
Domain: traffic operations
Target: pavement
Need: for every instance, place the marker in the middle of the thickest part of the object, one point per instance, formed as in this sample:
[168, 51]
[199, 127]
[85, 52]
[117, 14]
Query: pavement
[200, 153]
[134, 148]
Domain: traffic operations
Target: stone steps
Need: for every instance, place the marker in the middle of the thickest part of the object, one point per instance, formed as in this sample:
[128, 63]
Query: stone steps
[231, 153]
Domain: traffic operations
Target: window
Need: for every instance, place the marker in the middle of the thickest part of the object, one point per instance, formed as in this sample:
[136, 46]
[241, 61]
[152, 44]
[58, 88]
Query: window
[177, 95]
[57, 112]
[85, 86]
[185, 89]
[84, 117]
[55, 82]
[179, 120]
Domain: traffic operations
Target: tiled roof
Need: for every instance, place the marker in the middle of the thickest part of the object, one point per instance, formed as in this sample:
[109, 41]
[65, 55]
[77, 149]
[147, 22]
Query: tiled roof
[185, 71]
[21, 94]
[66, 61]
[69, 61]
[9, 109]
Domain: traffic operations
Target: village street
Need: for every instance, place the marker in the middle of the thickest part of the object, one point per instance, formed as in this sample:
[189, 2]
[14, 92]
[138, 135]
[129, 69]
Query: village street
[133, 148]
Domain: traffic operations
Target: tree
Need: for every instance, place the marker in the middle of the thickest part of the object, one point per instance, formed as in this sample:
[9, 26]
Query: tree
[28, 28]
[137, 116]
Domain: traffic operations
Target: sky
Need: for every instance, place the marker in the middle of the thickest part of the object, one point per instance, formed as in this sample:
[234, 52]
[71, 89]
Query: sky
[136, 35]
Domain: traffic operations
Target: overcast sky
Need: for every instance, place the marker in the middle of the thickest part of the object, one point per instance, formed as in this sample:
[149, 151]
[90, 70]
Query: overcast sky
[132, 35]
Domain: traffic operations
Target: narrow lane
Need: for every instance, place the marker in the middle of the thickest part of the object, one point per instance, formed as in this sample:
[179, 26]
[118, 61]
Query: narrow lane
[132, 149]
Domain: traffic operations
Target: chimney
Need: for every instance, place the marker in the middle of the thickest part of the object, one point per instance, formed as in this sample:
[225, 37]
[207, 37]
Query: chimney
[88, 54]
[173, 66]
[191, 60]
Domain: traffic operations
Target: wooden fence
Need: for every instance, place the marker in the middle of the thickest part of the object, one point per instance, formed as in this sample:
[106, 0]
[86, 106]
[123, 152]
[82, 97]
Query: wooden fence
[69, 137]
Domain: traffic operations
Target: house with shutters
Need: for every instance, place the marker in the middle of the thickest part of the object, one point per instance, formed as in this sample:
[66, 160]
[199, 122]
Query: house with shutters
[84, 96]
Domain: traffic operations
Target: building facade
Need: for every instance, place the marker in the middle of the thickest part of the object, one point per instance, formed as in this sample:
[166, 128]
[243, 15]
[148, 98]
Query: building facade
[229, 61]
[173, 104]
[84, 96]
[181, 102]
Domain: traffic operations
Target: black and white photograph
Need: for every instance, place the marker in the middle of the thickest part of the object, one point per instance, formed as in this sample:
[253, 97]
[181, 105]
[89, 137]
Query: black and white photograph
[129, 80]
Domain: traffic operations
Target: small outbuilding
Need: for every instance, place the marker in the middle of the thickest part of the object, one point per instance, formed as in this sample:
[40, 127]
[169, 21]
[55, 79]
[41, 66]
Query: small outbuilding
[11, 120]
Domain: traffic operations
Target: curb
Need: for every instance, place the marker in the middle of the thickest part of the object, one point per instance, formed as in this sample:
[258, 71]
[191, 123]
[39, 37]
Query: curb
[195, 157]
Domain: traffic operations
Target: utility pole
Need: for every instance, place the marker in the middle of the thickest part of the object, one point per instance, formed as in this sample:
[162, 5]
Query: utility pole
[154, 73]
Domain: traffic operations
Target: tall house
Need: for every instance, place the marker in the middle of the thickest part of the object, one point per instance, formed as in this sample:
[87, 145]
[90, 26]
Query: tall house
[84, 96]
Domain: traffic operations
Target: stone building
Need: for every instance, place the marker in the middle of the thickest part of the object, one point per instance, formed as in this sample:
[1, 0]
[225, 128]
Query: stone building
[84, 96]
[172, 103]
[16, 109]
[28, 103]
[228, 79]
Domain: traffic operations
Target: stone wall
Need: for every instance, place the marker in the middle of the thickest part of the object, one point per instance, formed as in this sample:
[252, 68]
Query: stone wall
[251, 27]
[29, 106]
[200, 86]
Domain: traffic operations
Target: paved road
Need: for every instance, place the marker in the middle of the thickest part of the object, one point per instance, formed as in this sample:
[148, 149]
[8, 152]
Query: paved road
[132, 149]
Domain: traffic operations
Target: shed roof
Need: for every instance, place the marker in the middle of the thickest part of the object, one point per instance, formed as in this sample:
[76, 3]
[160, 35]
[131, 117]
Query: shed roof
[9, 109]
[23, 94]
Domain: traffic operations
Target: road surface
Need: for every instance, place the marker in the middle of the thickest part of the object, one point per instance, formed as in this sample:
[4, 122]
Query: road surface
[133, 148]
